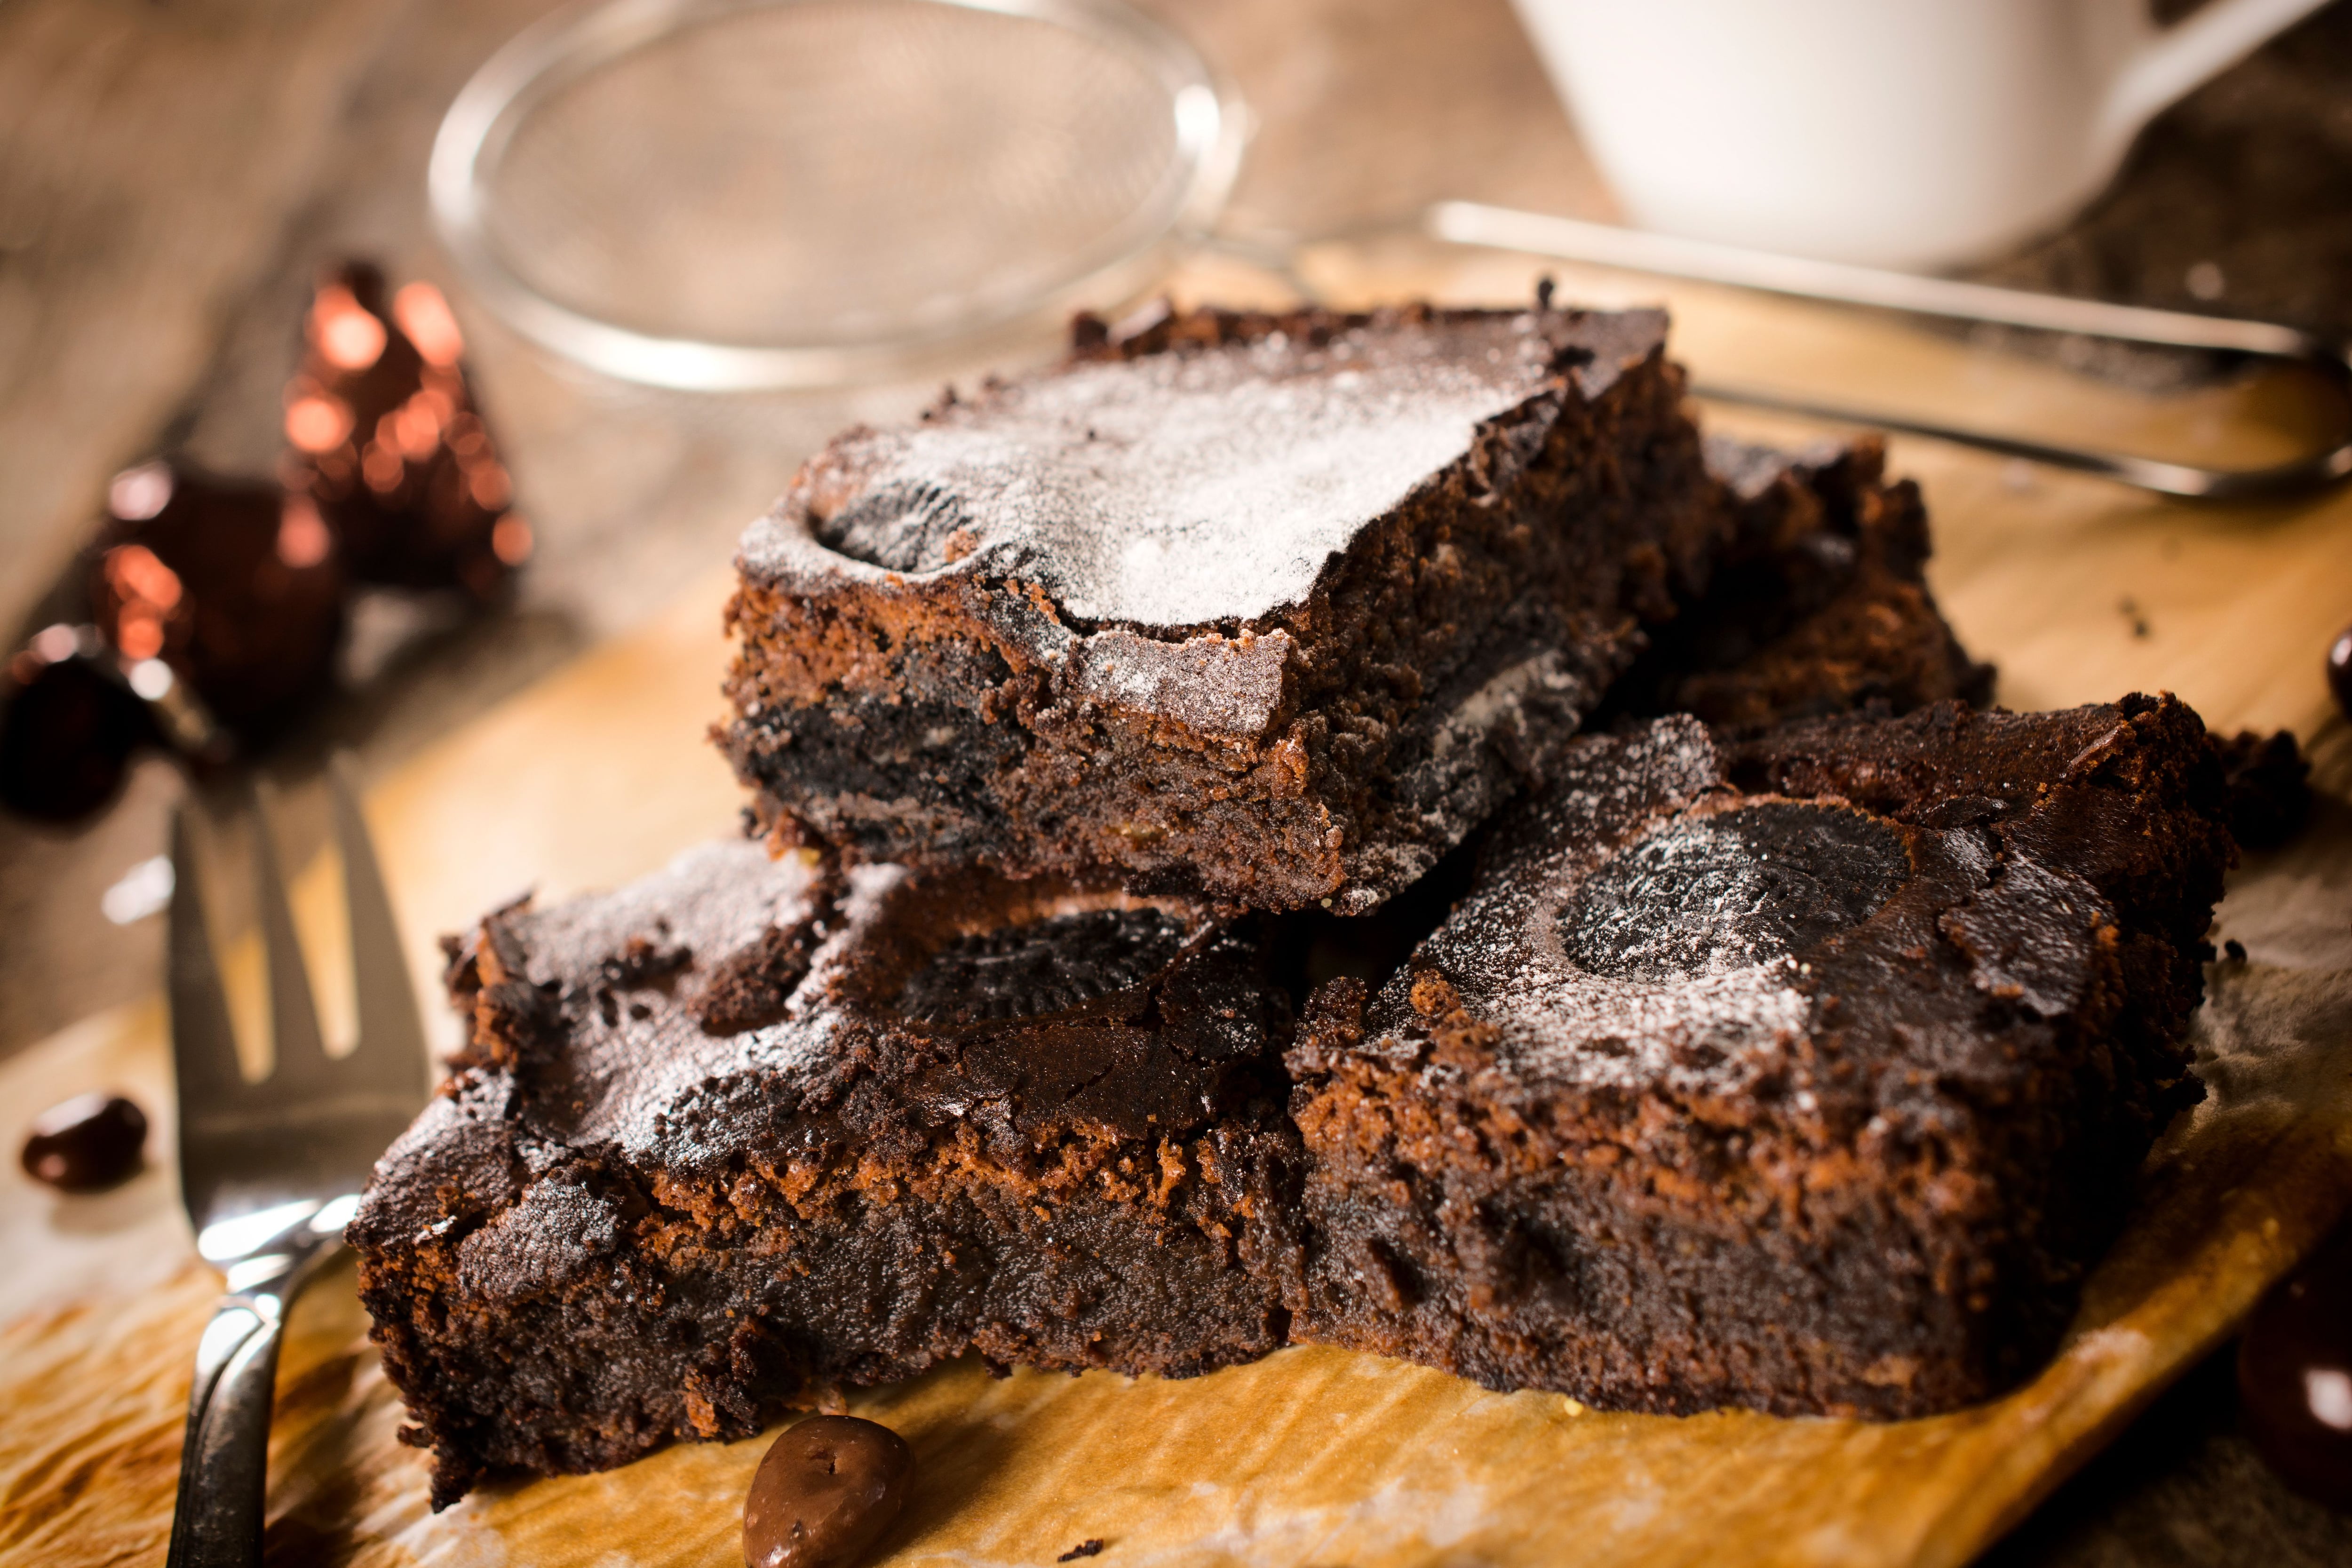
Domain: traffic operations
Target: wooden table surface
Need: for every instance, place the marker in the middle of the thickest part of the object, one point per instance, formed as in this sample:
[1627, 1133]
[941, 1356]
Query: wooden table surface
[171, 176]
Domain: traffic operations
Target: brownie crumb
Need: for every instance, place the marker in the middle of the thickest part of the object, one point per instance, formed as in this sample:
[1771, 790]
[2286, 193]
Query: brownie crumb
[750, 986]
[1091, 1546]
[642, 961]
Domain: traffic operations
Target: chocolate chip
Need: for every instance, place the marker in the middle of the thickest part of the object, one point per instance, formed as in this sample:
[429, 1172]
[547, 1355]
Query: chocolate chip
[87, 1143]
[2294, 1374]
[1089, 1547]
[827, 1491]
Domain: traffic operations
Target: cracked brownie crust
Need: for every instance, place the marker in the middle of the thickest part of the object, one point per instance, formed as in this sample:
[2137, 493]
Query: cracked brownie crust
[1806, 1071]
[739, 1133]
[1269, 608]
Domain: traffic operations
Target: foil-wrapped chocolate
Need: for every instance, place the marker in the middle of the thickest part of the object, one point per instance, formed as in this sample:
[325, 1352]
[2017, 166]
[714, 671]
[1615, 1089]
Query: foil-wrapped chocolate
[385, 437]
[208, 613]
[213, 608]
[237, 588]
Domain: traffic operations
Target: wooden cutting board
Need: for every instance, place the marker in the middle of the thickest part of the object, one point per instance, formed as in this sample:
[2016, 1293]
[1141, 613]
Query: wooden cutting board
[2081, 590]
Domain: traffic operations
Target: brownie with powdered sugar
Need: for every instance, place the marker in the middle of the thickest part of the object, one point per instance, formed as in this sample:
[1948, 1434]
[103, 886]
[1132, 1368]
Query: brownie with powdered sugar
[750, 1131]
[1269, 608]
[1805, 1069]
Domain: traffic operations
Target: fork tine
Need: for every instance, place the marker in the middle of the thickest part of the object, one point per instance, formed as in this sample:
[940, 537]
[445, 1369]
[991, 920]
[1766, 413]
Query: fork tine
[391, 1053]
[296, 1042]
[204, 1044]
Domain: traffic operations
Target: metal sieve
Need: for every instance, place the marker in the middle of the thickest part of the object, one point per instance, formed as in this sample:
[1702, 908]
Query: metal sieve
[737, 194]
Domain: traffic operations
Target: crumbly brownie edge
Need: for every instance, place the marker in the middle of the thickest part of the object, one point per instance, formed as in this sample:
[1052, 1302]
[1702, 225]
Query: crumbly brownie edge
[1661, 1255]
[1819, 606]
[703, 1311]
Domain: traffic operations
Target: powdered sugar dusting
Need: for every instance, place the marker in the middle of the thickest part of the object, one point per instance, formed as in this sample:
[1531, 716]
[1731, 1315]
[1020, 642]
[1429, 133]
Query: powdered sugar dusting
[1713, 1023]
[1185, 490]
[1710, 1032]
[1194, 486]
[626, 1069]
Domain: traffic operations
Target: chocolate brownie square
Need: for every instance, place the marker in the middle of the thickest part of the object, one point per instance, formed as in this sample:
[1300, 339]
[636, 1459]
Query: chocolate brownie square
[742, 1132]
[1807, 1071]
[1272, 608]
[1819, 604]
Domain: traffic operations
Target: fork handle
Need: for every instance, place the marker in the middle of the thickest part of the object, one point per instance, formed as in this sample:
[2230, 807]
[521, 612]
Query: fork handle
[225, 1461]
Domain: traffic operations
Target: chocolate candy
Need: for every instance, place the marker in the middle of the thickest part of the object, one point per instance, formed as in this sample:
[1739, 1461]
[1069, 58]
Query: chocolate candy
[386, 443]
[826, 1493]
[86, 1144]
[2294, 1374]
[69, 723]
[235, 587]
[2339, 669]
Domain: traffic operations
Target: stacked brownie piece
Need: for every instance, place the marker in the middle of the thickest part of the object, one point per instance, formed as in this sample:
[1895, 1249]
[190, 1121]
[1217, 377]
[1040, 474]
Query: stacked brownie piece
[1358, 829]
[1271, 608]
[743, 1133]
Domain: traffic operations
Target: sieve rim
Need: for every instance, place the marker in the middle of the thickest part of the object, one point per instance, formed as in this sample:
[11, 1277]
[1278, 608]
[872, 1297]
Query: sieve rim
[572, 43]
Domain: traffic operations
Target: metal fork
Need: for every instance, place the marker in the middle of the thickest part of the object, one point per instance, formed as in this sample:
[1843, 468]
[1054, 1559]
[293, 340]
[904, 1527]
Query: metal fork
[271, 1172]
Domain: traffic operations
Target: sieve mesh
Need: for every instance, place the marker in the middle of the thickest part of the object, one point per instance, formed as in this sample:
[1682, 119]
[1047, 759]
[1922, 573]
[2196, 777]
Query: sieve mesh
[802, 190]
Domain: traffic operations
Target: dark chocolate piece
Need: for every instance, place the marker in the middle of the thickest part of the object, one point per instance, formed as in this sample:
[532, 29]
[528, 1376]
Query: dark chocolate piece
[827, 1492]
[1090, 1547]
[1818, 605]
[1273, 608]
[2294, 1374]
[86, 1144]
[742, 1132]
[1807, 1071]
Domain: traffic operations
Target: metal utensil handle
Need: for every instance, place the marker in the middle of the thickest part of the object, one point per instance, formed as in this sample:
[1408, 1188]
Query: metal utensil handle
[225, 1461]
[1570, 239]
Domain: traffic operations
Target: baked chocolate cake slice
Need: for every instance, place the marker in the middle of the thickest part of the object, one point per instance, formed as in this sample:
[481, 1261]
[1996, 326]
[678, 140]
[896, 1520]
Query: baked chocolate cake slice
[1807, 1071]
[1819, 604]
[735, 1134]
[1268, 608]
